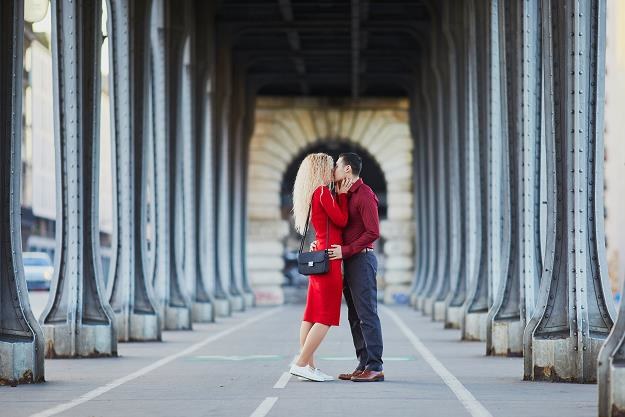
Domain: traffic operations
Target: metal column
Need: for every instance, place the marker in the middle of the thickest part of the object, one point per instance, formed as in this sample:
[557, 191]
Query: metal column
[21, 338]
[130, 290]
[575, 312]
[168, 36]
[78, 320]
[476, 303]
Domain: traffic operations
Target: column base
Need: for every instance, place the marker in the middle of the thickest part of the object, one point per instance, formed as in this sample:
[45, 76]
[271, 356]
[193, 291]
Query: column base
[237, 303]
[617, 394]
[428, 307]
[177, 318]
[22, 363]
[222, 308]
[475, 327]
[91, 341]
[202, 313]
[453, 318]
[248, 297]
[506, 338]
[420, 304]
[138, 327]
[439, 311]
[555, 360]
[414, 298]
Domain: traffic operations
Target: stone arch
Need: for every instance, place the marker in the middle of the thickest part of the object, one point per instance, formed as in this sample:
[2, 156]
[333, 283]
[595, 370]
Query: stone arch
[286, 127]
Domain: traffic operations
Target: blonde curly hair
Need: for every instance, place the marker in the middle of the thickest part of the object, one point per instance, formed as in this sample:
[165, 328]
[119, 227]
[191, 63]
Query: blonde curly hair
[315, 170]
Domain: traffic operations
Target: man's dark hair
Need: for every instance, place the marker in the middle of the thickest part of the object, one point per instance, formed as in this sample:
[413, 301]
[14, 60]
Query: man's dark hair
[353, 160]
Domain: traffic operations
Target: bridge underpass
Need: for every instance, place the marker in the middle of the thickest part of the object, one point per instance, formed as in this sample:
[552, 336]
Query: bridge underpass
[474, 111]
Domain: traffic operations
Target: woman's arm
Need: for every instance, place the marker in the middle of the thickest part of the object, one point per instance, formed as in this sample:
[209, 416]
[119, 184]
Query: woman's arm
[335, 207]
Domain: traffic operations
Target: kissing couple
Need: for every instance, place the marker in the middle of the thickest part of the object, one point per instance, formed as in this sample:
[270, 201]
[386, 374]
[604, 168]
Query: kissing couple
[344, 214]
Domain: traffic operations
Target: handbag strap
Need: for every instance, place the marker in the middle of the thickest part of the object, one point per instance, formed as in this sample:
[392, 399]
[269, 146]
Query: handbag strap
[301, 245]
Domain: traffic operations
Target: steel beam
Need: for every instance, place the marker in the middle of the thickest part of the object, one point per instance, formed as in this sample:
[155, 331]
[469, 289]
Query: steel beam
[168, 36]
[130, 289]
[78, 320]
[575, 312]
[476, 303]
[21, 338]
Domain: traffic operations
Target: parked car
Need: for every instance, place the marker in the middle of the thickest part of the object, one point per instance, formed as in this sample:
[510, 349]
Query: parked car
[38, 270]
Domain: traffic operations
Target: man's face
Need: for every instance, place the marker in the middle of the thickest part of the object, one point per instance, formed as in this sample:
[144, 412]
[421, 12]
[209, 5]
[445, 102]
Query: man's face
[340, 170]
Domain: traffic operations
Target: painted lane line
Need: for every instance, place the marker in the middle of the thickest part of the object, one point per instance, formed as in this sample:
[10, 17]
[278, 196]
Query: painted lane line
[158, 364]
[284, 379]
[264, 407]
[473, 406]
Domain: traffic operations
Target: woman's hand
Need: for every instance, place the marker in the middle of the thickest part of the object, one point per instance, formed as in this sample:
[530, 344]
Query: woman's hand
[345, 185]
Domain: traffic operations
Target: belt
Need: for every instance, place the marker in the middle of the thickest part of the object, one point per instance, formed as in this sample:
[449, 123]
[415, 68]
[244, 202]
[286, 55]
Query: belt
[365, 250]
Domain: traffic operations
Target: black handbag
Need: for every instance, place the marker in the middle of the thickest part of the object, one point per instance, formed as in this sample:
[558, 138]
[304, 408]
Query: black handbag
[315, 262]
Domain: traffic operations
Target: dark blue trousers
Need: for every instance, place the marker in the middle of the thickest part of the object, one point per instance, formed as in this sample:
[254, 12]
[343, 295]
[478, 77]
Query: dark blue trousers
[360, 291]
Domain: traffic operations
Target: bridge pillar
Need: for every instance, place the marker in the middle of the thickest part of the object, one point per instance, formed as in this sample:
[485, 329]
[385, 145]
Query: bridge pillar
[476, 303]
[21, 338]
[202, 254]
[168, 37]
[574, 312]
[78, 321]
[460, 185]
[130, 290]
[520, 44]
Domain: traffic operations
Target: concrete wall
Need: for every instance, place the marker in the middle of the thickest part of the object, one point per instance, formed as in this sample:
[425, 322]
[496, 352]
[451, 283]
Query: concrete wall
[287, 126]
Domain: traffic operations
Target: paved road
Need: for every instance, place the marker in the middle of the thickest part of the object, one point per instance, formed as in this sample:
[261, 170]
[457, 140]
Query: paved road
[236, 368]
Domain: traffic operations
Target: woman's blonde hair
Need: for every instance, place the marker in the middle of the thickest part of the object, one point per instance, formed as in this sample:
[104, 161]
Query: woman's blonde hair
[315, 170]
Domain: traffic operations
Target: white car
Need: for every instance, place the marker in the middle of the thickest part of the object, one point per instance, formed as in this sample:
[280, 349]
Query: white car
[38, 270]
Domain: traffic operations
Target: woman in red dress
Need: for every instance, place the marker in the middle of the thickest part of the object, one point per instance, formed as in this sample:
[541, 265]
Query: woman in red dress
[328, 211]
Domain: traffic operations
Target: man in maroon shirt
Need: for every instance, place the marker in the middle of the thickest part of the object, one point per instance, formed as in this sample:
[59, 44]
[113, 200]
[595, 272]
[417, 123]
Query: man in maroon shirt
[360, 268]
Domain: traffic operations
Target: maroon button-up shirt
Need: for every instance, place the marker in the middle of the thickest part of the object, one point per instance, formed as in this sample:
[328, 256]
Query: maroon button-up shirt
[363, 224]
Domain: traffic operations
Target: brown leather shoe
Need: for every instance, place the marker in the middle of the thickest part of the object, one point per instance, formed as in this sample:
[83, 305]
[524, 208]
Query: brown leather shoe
[369, 376]
[348, 377]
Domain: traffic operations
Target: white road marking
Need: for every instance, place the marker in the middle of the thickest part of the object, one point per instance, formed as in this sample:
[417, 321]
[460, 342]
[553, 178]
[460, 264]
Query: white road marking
[284, 379]
[264, 407]
[158, 364]
[473, 406]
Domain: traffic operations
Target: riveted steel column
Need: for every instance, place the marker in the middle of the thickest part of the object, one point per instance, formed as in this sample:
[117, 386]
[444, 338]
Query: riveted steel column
[448, 14]
[428, 84]
[418, 127]
[238, 109]
[520, 34]
[130, 290]
[574, 312]
[439, 155]
[78, 320]
[168, 37]
[21, 338]
[456, 29]
[504, 333]
[476, 303]
[224, 183]
[531, 131]
[201, 48]
[240, 230]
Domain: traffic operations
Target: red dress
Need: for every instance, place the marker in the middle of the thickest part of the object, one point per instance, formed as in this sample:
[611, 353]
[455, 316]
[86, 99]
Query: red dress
[323, 303]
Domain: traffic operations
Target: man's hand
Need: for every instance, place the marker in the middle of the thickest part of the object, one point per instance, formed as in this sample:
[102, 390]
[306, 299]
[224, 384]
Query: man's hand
[345, 185]
[313, 246]
[335, 252]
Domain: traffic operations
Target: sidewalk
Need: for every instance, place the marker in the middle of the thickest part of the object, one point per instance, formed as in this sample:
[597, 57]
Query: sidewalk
[236, 367]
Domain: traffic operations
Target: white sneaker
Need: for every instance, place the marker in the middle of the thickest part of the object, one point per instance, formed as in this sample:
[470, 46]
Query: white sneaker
[306, 372]
[325, 377]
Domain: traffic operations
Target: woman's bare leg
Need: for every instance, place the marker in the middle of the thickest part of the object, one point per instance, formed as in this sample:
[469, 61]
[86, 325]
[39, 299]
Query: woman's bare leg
[313, 340]
[303, 333]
